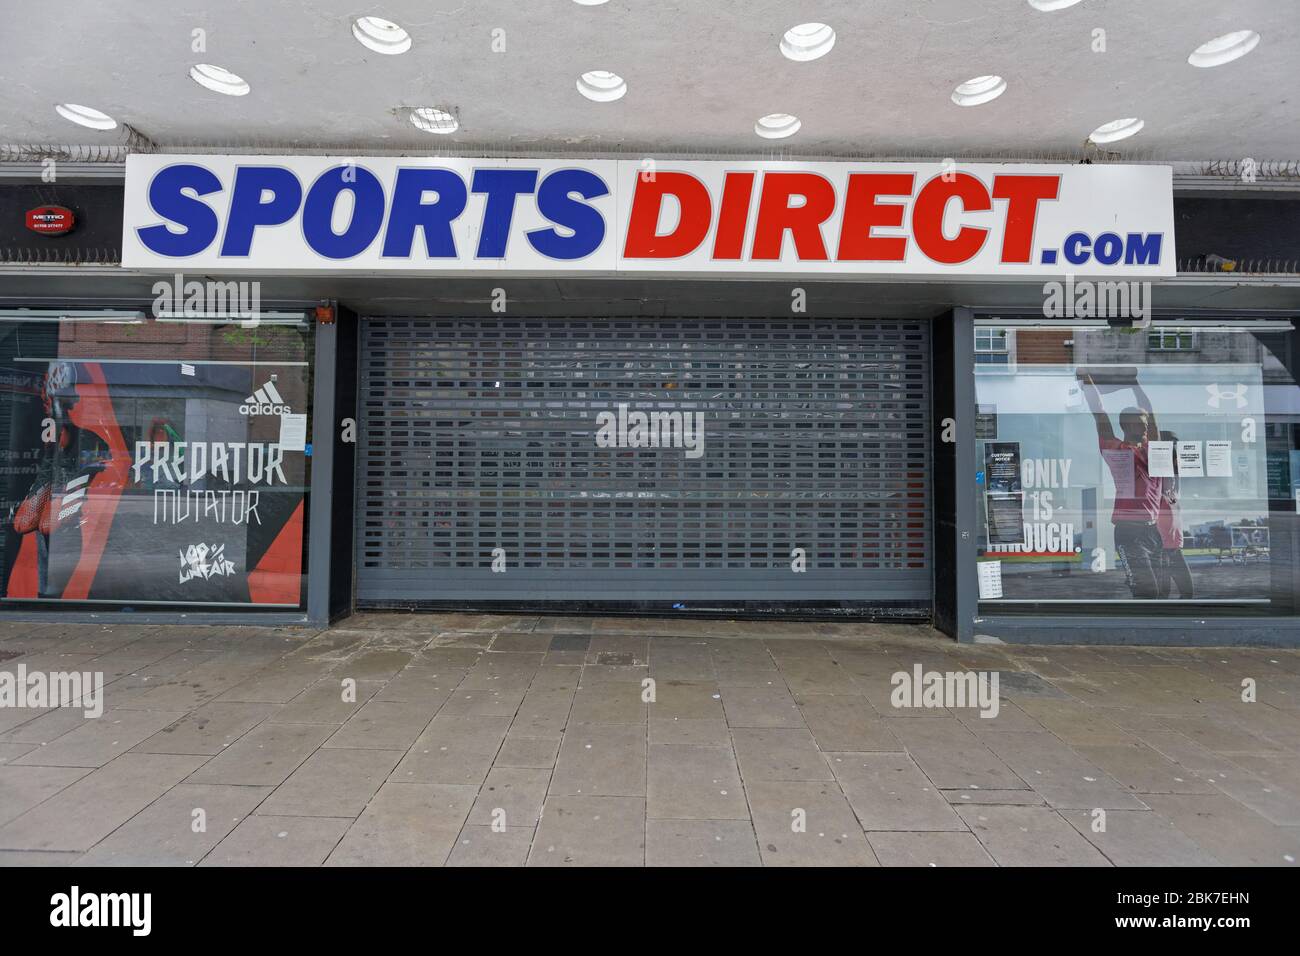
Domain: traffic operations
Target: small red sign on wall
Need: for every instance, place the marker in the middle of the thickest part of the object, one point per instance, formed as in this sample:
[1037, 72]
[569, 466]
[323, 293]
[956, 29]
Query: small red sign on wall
[51, 220]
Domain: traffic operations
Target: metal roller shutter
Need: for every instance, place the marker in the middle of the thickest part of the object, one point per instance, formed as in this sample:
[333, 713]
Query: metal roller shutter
[480, 434]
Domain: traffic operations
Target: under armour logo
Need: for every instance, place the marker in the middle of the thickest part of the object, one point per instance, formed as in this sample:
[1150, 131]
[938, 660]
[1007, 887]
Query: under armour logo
[1218, 394]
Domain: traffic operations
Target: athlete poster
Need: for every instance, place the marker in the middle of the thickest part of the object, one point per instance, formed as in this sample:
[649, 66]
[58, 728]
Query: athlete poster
[153, 481]
[1142, 468]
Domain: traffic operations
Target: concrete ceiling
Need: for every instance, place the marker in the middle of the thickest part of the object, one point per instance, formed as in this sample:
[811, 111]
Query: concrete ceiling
[699, 73]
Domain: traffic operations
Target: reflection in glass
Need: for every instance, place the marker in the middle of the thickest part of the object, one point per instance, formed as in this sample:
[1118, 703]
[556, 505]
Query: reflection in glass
[1137, 467]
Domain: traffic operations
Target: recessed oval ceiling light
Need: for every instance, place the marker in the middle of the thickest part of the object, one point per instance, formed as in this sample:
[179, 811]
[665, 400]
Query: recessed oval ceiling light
[1224, 49]
[380, 35]
[85, 116]
[1048, 6]
[777, 126]
[218, 80]
[591, 3]
[807, 41]
[979, 90]
[602, 86]
[428, 119]
[1116, 130]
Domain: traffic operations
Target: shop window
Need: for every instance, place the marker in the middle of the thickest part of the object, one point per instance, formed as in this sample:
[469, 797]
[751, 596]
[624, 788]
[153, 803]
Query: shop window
[1118, 478]
[153, 461]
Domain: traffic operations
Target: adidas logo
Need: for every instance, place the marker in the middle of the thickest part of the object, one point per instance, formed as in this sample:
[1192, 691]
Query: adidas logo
[265, 401]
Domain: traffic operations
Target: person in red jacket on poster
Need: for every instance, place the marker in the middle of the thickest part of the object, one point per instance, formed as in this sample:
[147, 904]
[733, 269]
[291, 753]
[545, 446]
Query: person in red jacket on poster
[79, 482]
[1136, 510]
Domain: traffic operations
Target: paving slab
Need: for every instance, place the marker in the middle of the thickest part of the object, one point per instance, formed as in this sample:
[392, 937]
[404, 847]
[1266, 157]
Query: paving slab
[1058, 772]
[485, 701]
[11, 752]
[86, 811]
[22, 788]
[208, 730]
[333, 700]
[41, 727]
[1010, 717]
[39, 858]
[179, 828]
[376, 664]
[779, 754]
[701, 843]
[688, 700]
[616, 669]
[498, 665]
[544, 711]
[384, 725]
[953, 757]
[888, 791]
[1011, 798]
[687, 663]
[281, 683]
[879, 690]
[934, 849]
[14, 719]
[100, 739]
[265, 756]
[406, 824]
[846, 723]
[1142, 769]
[1030, 836]
[602, 760]
[1186, 752]
[486, 846]
[690, 782]
[770, 705]
[332, 783]
[453, 750]
[1075, 723]
[1222, 737]
[602, 645]
[1227, 830]
[510, 797]
[448, 658]
[278, 841]
[200, 684]
[816, 676]
[1138, 838]
[806, 823]
[433, 685]
[1278, 770]
[703, 732]
[533, 752]
[582, 830]
[612, 702]
[529, 641]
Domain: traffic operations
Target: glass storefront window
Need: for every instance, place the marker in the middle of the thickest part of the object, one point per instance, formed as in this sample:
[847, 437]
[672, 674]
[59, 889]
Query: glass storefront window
[1138, 470]
[149, 461]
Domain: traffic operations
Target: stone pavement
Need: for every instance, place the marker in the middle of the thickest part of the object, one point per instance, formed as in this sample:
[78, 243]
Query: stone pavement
[504, 741]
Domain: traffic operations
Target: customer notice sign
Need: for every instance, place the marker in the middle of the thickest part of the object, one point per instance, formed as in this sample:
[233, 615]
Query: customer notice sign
[299, 214]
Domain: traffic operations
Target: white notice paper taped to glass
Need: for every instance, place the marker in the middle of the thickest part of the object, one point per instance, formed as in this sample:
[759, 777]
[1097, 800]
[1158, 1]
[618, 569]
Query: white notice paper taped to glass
[1218, 459]
[990, 578]
[1160, 459]
[1120, 462]
[293, 432]
[1190, 463]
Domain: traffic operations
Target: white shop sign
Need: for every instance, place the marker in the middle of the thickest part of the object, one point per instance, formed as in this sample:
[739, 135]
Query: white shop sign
[296, 214]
